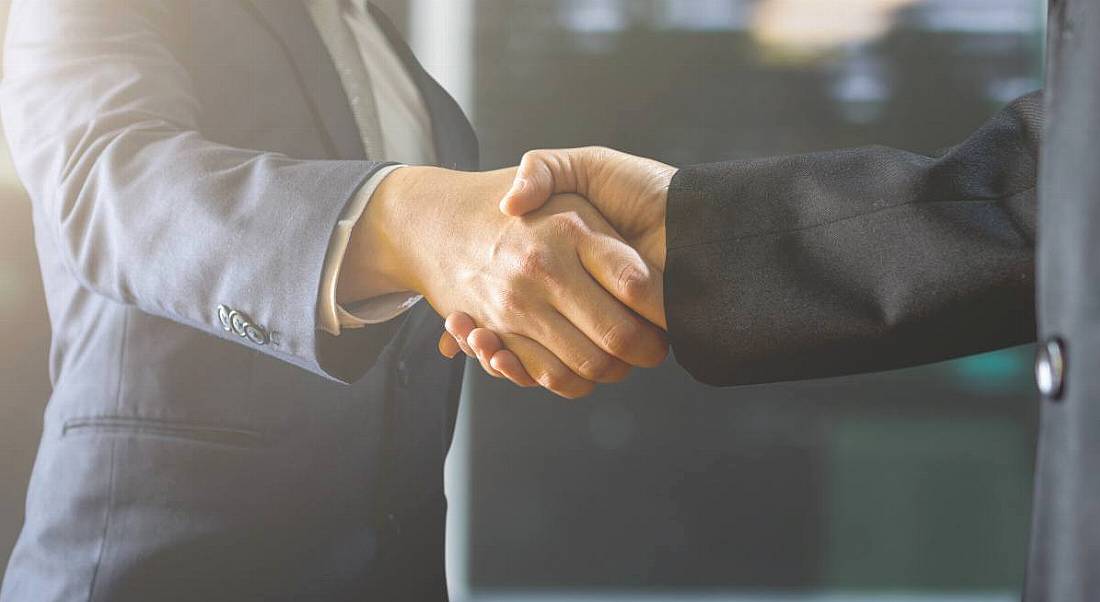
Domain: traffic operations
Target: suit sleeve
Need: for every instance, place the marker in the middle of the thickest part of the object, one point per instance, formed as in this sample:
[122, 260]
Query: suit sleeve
[103, 125]
[854, 261]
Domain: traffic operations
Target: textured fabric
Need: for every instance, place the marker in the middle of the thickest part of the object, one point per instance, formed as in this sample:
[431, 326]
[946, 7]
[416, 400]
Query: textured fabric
[858, 260]
[180, 155]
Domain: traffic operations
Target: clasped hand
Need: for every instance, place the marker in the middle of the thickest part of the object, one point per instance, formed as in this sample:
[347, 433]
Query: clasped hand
[629, 192]
[556, 298]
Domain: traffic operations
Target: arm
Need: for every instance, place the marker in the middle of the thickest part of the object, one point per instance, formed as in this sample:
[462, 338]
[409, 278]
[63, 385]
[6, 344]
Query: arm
[824, 264]
[104, 129]
[854, 261]
[145, 210]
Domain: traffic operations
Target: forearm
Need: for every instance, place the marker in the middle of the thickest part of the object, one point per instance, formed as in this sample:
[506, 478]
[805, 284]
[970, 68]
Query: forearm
[853, 261]
[251, 234]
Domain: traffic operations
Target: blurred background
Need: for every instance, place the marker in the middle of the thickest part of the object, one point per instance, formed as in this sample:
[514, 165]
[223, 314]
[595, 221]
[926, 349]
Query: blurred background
[912, 485]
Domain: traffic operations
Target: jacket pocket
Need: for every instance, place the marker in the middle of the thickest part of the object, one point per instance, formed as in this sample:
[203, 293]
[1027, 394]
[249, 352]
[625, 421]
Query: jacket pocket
[152, 427]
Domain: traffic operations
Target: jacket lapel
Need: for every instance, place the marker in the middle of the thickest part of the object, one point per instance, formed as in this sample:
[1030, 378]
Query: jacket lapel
[289, 21]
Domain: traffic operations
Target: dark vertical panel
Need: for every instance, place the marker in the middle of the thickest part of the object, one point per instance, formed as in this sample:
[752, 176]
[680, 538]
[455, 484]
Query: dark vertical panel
[913, 480]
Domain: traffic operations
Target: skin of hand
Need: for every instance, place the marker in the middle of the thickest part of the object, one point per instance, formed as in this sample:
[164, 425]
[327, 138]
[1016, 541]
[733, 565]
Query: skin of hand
[541, 281]
[630, 191]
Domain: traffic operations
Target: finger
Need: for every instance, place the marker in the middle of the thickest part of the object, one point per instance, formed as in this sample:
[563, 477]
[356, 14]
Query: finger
[541, 174]
[448, 346]
[546, 369]
[460, 325]
[506, 362]
[562, 338]
[484, 361]
[622, 272]
[610, 325]
[484, 344]
[533, 184]
[488, 345]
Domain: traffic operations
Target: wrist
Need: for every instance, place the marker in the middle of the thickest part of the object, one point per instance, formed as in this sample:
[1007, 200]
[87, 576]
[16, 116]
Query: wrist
[421, 225]
[378, 260]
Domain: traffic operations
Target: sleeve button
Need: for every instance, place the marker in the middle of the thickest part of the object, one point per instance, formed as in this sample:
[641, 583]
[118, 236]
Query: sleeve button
[223, 318]
[237, 322]
[241, 325]
[255, 334]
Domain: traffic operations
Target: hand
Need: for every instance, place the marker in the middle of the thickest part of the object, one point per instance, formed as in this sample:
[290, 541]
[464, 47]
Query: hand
[540, 281]
[631, 192]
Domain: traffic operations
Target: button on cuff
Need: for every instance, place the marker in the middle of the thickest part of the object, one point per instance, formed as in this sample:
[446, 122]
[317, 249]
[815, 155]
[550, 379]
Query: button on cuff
[240, 324]
[223, 318]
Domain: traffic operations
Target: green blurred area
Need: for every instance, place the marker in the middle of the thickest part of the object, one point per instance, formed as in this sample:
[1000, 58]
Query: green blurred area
[1005, 370]
[927, 504]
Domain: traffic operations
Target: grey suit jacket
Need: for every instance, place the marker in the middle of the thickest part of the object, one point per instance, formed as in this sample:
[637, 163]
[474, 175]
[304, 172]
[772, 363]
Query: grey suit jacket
[184, 156]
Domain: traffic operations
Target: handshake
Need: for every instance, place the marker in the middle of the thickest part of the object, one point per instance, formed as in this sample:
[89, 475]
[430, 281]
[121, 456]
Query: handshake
[560, 285]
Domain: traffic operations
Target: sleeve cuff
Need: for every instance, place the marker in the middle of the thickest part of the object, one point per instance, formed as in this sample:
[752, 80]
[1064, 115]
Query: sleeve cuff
[331, 317]
[376, 310]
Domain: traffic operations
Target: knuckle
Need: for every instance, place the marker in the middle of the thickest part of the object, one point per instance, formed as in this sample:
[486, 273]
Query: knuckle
[547, 380]
[534, 156]
[597, 154]
[624, 338]
[599, 367]
[568, 223]
[509, 298]
[555, 379]
[633, 284]
[512, 305]
[534, 263]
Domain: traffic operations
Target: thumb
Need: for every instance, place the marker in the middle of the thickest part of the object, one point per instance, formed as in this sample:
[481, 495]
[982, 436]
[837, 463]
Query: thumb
[541, 174]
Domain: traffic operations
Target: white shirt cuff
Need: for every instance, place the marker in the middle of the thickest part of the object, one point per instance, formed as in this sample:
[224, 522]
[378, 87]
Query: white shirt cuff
[332, 317]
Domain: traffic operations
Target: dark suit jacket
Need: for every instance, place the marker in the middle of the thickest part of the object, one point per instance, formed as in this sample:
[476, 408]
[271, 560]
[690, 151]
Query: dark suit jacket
[875, 258]
[183, 155]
